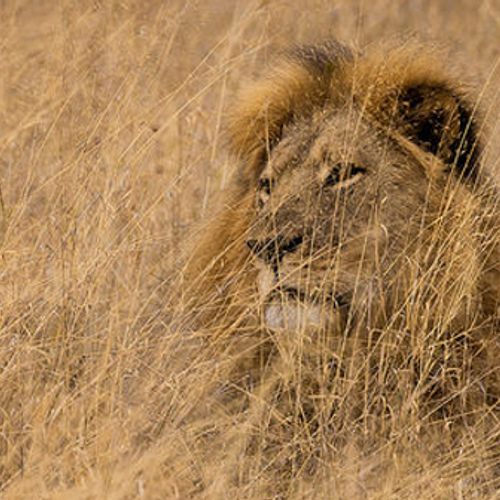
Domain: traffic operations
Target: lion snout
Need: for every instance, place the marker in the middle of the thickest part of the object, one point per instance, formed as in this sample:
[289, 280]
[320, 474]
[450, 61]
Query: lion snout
[272, 250]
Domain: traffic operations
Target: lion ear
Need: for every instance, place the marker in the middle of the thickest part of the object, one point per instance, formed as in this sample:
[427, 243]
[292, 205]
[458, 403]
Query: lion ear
[439, 120]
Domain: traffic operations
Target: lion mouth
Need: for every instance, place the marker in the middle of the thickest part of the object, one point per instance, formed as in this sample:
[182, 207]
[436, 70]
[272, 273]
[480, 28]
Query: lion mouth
[275, 288]
[296, 309]
[286, 306]
[338, 300]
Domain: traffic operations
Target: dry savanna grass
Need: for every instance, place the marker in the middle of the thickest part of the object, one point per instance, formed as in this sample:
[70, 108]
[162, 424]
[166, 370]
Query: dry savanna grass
[112, 151]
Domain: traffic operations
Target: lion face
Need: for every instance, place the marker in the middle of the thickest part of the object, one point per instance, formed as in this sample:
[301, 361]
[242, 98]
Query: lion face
[321, 229]
[356, 191]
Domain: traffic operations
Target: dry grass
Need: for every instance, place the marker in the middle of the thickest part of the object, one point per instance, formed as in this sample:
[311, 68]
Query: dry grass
[110, 147]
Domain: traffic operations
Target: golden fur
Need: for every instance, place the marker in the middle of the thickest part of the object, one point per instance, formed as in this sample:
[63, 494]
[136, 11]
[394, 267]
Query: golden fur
[359, 241]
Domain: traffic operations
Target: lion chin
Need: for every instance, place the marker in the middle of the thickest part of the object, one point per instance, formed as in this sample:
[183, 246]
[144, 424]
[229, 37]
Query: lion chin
[295, 316]
[286, 307]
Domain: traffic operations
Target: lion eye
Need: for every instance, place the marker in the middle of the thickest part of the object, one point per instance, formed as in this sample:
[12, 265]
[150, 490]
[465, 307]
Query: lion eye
[342, 172]
[333, 177]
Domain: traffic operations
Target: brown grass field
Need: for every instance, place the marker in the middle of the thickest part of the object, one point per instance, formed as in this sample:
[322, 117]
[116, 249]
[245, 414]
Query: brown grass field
[111, 152]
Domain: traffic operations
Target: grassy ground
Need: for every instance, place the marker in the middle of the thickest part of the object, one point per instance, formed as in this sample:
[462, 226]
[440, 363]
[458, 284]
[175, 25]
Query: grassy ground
[110, 149]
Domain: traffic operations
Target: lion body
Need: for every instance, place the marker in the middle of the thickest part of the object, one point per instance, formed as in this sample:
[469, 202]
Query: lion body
[361, 239]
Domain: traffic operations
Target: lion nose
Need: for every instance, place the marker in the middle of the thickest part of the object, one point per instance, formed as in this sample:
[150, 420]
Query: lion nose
[255, 246]
[272, 250]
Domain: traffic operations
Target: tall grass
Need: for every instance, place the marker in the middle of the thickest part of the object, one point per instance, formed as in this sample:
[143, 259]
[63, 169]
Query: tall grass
[110, 149]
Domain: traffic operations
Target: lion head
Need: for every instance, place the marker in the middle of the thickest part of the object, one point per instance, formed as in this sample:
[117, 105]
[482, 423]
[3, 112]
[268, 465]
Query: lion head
[360, 195]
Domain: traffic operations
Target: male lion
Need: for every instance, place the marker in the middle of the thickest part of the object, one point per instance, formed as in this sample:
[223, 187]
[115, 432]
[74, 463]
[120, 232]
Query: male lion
[359, 248]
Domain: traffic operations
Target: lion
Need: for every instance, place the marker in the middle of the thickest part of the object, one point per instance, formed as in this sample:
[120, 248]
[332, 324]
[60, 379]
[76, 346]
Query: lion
[359, 247]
